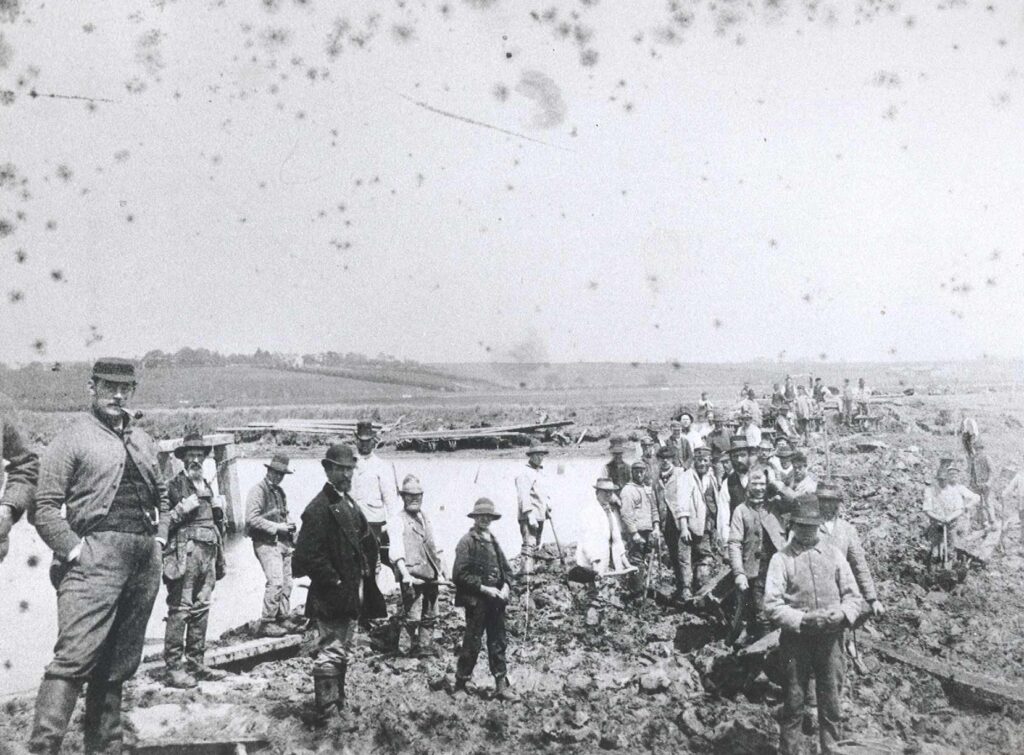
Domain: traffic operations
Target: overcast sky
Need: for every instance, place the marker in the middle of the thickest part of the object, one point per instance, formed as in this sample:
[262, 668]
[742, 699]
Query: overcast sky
[447, 180]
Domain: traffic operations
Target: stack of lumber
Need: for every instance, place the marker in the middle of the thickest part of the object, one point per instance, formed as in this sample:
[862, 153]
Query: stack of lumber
[428, 440]
[341, 427]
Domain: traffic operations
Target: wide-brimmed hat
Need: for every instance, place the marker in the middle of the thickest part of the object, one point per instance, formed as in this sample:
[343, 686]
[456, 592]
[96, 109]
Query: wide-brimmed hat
[365, 431]
[340, 455]
[192, 442]
[604, 483]
[279, 464]
[484, 507]
[411, 486]
[685, 413]
[807, 510]
[738, 443]
[114, 370]
[617, 445]
[536, 448]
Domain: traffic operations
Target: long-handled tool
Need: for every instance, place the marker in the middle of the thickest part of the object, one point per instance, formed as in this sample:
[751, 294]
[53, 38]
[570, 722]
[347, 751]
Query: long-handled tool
[945, 547]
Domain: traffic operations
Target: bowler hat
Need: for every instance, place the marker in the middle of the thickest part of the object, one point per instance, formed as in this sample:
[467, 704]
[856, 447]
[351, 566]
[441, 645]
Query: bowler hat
[411, 486]
[192, 442]
[536, 448]
[604, 483]
[340, 455]
[364, 431]
[665, 452]
[807, 510]
[484, 507]
[279, 464]
[114, 370]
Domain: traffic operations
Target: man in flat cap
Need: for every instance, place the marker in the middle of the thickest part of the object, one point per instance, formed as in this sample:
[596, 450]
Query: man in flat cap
[21, 474]
[194, 546]
[617, 470]
[336, 549]
[534, 502]
[104, 475]
[640, 524]
[268, 524]
[811, 594]
[374, 488]
[483, 584]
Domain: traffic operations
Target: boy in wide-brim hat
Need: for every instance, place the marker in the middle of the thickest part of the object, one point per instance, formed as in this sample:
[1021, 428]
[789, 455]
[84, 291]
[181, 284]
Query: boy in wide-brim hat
[483, 584]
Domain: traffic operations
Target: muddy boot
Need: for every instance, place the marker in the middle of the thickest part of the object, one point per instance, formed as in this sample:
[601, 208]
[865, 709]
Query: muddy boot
[270, 628]
[179, 678]
[103, 718]
[325, 696]
[203, 673]
[55, 703]
[459, 688]
[428, 648]
[502, 690]
[386, 639]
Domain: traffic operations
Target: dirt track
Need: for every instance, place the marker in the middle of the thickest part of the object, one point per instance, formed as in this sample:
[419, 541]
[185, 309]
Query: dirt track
[624, 684]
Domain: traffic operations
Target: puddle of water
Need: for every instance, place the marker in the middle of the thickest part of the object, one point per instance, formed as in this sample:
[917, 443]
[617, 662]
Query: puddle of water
[28, 609]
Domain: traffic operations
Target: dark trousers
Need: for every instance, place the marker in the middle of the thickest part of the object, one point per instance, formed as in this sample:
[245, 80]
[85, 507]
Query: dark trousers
[675, 561]
[486, 615]
[188, 607]
[749, 610]
[383, 540]
[637, 553]
[804, 656]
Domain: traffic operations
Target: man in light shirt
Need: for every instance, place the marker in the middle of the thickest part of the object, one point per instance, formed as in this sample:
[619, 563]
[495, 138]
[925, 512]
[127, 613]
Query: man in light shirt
[534, 503]
[946, 503]
[374, 488]
[749, 429]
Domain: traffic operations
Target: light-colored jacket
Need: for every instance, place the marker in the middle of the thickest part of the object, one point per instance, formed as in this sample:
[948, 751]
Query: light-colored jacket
[413, 541]
[842, 536]
[532, 494]
[639, 510]
[81, 471]
[375, 489]
[802, 579]
[949, 503]
[602, 549]
[266, 506]
[691, 501]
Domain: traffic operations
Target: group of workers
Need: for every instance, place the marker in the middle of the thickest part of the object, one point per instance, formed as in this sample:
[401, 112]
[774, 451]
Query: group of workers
[713, 498]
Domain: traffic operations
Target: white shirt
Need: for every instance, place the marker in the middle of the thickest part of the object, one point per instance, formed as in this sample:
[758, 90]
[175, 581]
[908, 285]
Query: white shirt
[753, 435]
[375, 489]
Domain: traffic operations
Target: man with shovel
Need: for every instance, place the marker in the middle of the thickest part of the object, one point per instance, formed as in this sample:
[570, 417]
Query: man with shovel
[945, 503]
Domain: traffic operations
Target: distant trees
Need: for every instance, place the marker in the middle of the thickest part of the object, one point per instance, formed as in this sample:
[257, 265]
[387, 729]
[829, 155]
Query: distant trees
[189, 357]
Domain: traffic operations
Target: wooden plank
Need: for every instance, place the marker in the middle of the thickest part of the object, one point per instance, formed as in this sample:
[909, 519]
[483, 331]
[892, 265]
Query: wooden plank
[182, 746]
[972, 687]
[251, 651]
[765, 645]
[216, 439]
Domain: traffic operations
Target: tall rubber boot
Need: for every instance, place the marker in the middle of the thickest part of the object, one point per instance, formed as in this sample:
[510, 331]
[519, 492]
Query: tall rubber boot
[342, 669]
[325, 692]
[103, 718]
[54, 705]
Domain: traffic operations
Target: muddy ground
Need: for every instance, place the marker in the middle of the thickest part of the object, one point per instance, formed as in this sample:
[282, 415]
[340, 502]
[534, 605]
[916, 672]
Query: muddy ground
[625, 684]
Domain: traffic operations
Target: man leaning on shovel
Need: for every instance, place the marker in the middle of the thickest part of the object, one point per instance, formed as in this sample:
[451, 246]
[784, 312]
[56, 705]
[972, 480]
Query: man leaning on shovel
[534, 503]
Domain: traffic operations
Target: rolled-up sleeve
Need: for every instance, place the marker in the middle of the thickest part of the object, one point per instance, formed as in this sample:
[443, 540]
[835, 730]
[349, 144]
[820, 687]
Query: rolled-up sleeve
[776, 585]
[22, 470]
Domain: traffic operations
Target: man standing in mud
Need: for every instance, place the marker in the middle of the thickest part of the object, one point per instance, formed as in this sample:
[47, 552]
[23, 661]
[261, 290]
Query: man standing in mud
[104, 475]
[195, 525]
[483, 584]
[616, 469]
[639, 515]
[534, 503]
[337, 550]
[272, 532]
[707, 547]
[981, 479]
[668, 490]
[811, 594]
[374, 488]
[21, 474]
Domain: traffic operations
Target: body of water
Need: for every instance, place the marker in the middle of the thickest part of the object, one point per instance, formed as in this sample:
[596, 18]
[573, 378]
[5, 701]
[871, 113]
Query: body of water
[28, 606]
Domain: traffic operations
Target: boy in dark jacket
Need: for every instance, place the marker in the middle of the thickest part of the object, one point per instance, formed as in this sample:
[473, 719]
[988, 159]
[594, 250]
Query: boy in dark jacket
[483, 582]
[336, 549]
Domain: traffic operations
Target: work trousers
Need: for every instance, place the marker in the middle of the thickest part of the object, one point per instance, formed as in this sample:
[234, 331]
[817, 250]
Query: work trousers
[637, 553]
[847, 410]
[276, 561]
[334, 646]
[383, 541]
[531, 538]
[485, 615]
[188, 607]
[103, 605]
[705, 556]
[803, 656]
[750, 610]
[689, 554]
[419, 603]
[682, 578]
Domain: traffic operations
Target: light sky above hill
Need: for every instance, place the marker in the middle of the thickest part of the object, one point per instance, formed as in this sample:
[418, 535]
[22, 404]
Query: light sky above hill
[476, 179]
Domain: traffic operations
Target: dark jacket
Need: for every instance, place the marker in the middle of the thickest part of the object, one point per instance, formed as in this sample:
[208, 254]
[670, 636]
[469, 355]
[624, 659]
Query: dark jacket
[337, 550]
[618, 472]
[479, 562]
[22, 468]
[181, 527]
